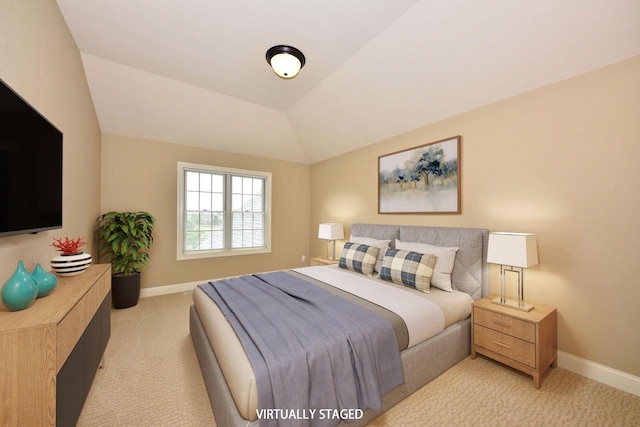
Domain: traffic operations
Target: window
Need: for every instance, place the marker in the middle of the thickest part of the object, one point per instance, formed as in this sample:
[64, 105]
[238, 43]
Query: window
[222, 211]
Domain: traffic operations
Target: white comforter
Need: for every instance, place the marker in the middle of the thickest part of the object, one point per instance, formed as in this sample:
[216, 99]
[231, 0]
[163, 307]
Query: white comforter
[426, 322]
[423, 317]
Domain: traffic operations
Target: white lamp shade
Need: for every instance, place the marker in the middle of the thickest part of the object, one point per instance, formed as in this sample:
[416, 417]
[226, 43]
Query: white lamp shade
[286, 65]
[331, 231]
[513, 249]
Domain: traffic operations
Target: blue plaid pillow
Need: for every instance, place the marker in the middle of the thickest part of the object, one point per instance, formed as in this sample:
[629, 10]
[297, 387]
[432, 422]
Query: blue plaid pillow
[360, 258]
[408, 268]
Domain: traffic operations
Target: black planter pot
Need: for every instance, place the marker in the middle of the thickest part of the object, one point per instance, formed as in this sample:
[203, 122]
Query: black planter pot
[125, 290]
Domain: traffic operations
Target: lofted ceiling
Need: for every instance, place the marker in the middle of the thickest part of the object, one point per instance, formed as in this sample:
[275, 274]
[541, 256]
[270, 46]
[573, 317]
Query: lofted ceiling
[193, 72]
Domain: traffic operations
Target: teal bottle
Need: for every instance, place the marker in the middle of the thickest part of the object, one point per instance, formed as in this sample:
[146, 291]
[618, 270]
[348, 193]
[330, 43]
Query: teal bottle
[45, 281]
[20, 290]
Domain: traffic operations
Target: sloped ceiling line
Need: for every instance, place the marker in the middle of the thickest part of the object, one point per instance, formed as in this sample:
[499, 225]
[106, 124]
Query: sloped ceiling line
[194, 72]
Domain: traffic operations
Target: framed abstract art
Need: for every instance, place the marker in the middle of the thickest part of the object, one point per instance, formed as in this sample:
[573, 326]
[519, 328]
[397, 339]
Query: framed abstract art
[423, 179]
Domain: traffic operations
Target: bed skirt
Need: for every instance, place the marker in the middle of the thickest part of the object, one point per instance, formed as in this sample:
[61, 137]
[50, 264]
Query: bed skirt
[421, 363]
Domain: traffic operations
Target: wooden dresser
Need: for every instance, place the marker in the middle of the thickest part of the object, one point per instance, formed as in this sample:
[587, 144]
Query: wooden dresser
[51, 350]
[526, 341]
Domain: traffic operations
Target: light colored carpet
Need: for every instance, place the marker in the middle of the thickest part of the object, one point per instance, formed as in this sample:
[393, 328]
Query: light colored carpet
[150, 375]
[482, 392]
[151, 378]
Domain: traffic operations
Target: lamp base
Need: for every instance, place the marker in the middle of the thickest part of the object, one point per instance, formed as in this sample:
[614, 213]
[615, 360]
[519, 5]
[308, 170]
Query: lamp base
[331, 255]
[518, 305]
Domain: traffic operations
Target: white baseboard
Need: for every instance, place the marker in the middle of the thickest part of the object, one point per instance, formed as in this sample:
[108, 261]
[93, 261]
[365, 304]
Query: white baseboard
[174, 289]
[601, 373]
[169, 289]
[592, 370]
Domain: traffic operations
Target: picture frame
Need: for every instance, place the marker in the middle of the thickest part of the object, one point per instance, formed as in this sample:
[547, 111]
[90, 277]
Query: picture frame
[421, 180]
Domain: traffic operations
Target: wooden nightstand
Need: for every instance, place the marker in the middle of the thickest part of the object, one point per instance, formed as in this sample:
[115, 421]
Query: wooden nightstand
[323, 261]
[526, 341]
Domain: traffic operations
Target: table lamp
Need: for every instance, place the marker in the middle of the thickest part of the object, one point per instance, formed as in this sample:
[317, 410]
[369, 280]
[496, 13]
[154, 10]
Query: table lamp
[514, 252]
[331, 232]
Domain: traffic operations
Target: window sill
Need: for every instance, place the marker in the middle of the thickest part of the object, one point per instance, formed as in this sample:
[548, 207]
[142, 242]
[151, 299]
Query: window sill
[221, 253]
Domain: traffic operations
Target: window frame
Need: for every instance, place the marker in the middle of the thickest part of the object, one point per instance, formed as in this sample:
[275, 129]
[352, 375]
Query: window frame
[181, 254]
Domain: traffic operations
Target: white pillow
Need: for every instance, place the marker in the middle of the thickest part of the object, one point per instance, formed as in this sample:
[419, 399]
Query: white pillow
[444, 265]
[382, 244]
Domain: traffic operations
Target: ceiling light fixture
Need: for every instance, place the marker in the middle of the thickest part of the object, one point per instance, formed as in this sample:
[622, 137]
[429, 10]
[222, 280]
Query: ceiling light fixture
[286, 61]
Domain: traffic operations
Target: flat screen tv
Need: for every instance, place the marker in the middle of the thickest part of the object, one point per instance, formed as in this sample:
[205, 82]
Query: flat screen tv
[30, 168]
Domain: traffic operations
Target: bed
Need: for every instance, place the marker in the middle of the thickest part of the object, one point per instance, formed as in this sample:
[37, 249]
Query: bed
[227, 372]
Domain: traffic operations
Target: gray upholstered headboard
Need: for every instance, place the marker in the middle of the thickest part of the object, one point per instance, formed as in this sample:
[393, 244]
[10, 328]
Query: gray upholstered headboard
[470, 271]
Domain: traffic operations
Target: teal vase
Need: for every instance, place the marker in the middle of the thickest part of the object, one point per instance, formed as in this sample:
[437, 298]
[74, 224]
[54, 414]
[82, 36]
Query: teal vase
[20, 290]
[45, 281]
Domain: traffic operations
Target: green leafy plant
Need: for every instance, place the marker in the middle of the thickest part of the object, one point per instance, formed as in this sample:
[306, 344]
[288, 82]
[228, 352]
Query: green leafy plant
[123, 238]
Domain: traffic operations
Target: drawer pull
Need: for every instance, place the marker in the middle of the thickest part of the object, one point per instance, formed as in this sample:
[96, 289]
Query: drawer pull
[497, 322]
[501, 344]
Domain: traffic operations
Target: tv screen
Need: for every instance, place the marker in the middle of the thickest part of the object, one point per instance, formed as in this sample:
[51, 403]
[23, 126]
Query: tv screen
[30, 168]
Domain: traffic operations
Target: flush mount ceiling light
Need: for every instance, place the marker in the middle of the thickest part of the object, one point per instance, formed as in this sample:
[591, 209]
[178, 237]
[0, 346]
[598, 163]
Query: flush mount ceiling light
[286, 61]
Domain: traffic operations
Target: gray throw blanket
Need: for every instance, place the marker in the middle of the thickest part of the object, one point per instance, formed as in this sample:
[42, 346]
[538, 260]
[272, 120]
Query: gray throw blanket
[310, 349]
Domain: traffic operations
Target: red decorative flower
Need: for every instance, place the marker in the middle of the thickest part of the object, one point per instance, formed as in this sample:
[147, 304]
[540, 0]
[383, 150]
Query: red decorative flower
[68, 246]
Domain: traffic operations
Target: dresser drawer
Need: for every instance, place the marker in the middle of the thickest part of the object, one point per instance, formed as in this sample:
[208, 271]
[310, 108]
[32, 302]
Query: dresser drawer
[516, 349]
[36, 343]
[505, 324]
[71, 328]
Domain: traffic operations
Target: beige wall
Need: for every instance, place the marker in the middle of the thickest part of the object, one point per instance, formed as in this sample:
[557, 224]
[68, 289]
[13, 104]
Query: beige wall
[141, 175]
[39, 60]
[561, 161]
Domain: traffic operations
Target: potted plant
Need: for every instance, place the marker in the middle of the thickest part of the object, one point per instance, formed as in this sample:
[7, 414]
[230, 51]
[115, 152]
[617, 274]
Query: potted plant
[123, 238]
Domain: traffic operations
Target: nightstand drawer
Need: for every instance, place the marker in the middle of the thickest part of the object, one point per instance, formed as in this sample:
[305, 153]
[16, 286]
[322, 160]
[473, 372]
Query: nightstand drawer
[526, 341]
[519, 350]
[506, 324]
